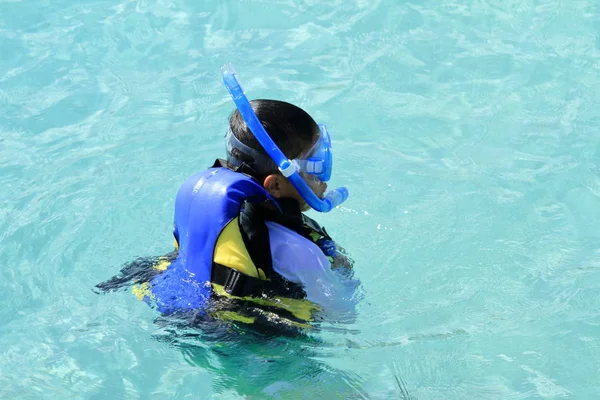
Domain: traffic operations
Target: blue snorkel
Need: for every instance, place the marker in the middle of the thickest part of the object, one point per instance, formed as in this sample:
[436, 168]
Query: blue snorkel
[288, 168]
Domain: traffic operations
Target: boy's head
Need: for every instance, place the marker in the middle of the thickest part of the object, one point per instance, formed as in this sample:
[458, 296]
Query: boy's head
[292, 129]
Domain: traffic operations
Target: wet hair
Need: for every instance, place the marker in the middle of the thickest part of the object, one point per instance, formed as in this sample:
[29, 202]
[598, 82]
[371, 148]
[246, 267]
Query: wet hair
[292, 129]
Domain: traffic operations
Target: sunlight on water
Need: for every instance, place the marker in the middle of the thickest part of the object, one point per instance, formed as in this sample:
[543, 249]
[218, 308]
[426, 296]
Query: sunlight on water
[466, 133]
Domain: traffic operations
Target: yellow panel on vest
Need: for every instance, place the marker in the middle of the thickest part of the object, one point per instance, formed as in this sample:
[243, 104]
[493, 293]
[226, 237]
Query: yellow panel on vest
[300, 308]
[231, 252]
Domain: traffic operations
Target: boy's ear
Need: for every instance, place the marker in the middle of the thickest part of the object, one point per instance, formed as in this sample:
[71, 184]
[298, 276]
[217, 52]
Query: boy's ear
[273, 185]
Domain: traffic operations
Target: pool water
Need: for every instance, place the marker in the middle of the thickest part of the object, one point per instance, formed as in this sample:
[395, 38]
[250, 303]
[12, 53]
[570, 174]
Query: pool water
[468, 136]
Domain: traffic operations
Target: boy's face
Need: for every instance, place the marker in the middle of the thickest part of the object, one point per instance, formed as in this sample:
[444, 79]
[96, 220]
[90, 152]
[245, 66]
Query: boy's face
[280, 187]
[318, 187]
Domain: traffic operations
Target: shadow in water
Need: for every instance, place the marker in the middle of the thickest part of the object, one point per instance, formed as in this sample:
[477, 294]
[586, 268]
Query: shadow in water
[258, 365]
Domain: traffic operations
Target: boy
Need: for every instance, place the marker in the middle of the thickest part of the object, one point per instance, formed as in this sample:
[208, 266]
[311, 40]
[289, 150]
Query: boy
[245, 252]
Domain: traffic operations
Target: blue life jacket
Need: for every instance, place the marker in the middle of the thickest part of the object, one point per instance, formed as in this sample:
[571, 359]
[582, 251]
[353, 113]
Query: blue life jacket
[206, 202]
[208, 211]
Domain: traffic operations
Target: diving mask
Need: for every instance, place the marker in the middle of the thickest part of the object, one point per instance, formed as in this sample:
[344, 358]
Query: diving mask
[317, 161]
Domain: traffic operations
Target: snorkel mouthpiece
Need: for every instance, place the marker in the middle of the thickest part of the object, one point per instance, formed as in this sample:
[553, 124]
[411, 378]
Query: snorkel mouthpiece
[288, 168]
[336, 197]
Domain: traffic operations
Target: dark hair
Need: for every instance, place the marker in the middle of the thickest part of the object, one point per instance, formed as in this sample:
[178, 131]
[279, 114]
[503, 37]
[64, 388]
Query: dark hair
[292, 129]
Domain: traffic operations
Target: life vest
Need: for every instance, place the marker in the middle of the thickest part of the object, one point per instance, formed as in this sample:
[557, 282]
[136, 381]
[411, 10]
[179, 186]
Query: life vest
[223, 256]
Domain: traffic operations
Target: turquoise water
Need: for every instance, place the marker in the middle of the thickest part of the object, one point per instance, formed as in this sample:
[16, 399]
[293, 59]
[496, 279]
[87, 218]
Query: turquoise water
[466, 132]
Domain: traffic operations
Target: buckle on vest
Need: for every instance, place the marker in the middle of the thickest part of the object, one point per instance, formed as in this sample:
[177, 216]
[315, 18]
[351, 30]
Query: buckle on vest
[235, 280]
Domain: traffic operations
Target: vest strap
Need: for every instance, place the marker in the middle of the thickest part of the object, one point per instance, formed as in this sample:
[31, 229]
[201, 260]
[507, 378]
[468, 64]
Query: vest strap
[234, 282]
[238, 284]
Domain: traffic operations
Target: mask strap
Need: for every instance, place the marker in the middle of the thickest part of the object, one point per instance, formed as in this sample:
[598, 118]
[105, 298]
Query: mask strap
[260, 162]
